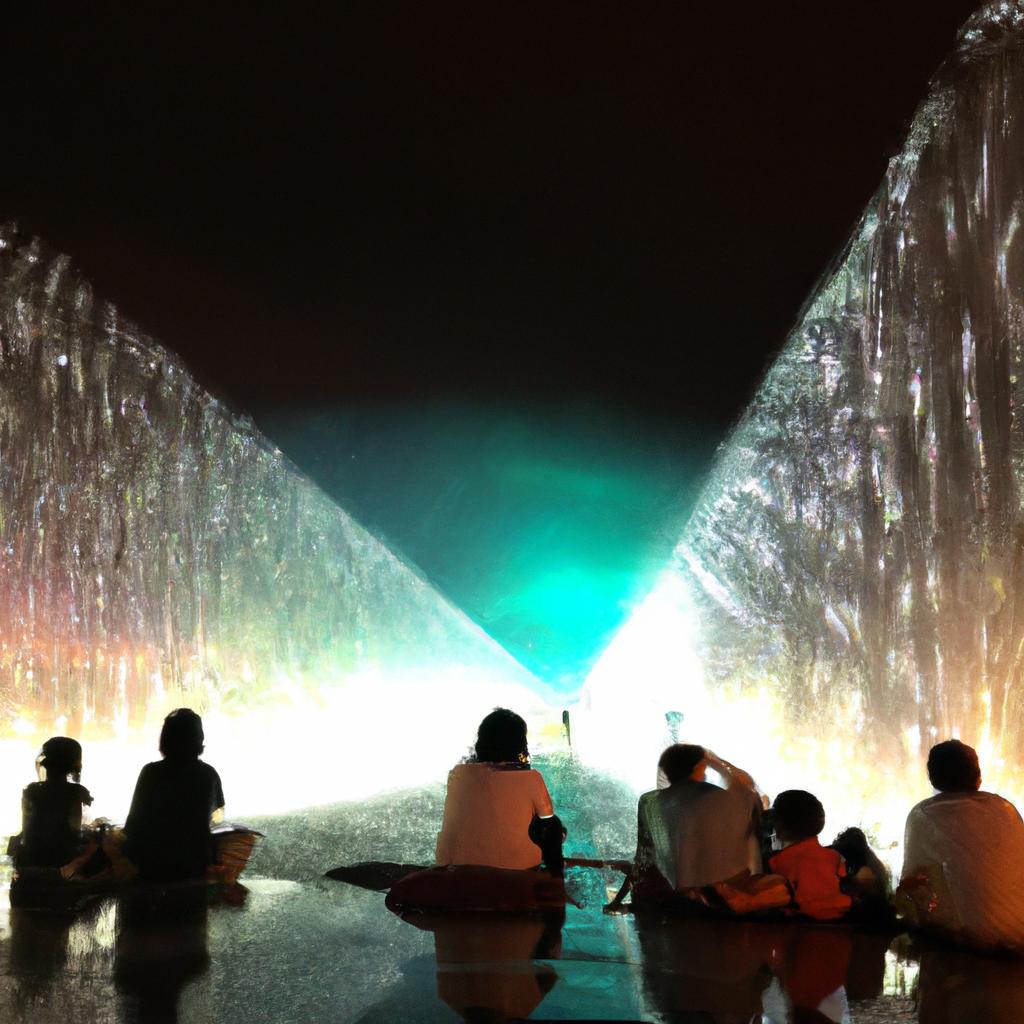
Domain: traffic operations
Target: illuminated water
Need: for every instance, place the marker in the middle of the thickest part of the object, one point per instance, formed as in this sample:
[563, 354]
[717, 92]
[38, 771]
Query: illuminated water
[308, 952]
[156, 550]
[850, 588]
[845, 593]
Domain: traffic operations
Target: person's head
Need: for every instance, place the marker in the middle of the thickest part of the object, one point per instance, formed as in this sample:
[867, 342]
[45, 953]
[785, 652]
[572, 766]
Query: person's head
[852, 843]
[953, 767]
[502, 737]
[61, 756]
[797, 815]
[682, 761]
[182, 735]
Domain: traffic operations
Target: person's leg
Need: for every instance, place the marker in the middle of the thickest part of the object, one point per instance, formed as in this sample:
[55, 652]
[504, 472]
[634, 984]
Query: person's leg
[548, 834]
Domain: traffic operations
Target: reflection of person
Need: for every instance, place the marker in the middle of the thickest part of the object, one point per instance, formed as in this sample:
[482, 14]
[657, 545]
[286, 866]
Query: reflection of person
[167, 833]
[955, 986]
[693, 833]
[963, 852]
[51, 828]
[704, 970]
[161, 947]
[496, 802]
[813, 871]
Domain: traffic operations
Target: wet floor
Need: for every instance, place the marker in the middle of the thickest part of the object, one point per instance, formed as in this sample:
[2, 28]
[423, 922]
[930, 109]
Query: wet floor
[328, 952]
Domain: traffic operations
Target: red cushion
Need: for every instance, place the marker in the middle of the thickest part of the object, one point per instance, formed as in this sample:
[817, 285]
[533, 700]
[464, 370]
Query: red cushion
[475, 887]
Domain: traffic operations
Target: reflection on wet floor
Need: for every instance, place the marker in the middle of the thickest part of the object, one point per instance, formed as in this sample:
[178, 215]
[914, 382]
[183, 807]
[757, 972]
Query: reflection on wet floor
[328, 952]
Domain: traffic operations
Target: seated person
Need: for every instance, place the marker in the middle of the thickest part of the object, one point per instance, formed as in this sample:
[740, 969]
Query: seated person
[867, 877]
[692, 833]
[814, 872]
[962, 856]
[497, 811]
[167, 833]
[51, 810]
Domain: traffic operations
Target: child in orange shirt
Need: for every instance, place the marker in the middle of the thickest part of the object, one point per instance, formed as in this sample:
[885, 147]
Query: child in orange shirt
[813, 872]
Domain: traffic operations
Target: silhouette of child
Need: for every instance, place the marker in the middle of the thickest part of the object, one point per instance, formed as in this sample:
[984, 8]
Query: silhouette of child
[51, 809]
[167, 833]
[814, 872]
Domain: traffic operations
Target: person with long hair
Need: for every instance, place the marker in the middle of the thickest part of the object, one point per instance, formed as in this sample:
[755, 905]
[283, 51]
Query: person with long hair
[497, 810]
[167, 833]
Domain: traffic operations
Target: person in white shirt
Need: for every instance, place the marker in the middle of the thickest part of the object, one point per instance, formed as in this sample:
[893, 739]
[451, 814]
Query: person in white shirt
[963, 852]
[693, 833]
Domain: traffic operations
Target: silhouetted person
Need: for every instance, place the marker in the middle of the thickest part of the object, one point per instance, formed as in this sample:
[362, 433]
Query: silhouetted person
[51, 810]
[693, 833]
[497, 811]
[962, 857]
[167, 834]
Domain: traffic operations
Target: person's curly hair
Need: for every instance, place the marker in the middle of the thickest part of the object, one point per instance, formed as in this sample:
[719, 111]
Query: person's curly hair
[501, 737]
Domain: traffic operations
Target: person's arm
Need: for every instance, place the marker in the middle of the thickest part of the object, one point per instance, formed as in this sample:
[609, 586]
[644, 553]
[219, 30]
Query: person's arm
[913, 854]
[644, 856]
[217, 812]
[442, 852]
[140, 802]
[732, 775]
[542, 805]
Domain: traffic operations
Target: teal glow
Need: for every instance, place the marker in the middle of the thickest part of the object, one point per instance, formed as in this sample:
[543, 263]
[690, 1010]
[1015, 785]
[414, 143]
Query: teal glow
[544, 524]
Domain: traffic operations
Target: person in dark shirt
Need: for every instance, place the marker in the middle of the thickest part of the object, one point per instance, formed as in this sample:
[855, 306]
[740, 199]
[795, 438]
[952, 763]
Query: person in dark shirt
[167, 834]
[51, 810]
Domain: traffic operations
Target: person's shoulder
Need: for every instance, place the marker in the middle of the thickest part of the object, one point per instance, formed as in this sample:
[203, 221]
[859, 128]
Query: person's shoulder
[923, 807]
[984, 796]
[733, 795]
[999, 803]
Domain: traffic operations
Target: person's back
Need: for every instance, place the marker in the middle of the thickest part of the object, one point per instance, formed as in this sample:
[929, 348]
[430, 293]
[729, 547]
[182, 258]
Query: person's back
[167, 832]
[694, 833]
[971, 848]
[51, 823]
[700, 833]
[168, 827]
[487, 815]
[963, 854]
[814, 872]
[492, 801]
[51, 810]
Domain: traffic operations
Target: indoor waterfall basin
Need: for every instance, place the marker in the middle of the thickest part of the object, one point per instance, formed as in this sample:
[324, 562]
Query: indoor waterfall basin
[303, 948]
[319, 951]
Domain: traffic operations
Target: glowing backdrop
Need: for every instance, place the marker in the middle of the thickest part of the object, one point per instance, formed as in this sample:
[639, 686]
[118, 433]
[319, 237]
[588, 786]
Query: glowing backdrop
[157, 551]
[845, 592]
[851, 584]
